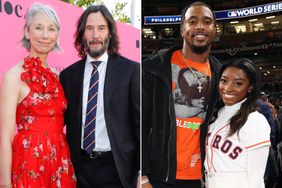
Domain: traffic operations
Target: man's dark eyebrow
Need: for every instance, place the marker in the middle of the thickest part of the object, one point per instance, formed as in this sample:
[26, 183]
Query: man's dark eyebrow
[191, 17]
[195, 17]
[209, 18]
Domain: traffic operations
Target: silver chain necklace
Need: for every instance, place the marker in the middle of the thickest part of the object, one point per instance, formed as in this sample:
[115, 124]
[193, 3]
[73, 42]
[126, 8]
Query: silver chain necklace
[200, 80]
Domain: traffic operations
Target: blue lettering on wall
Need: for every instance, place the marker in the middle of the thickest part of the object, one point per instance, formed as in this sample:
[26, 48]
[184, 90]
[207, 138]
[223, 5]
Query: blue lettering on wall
[150, 20]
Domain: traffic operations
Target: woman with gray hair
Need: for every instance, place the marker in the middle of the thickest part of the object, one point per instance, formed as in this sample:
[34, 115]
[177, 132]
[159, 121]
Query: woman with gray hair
[32, 98]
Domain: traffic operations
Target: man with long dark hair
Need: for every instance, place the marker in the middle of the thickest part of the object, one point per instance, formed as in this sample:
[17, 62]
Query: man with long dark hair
[102, 117]
[173, 138]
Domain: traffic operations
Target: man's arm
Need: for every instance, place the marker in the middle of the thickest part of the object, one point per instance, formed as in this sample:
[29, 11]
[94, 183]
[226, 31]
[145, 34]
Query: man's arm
[147, 121]
[135, 114]
[135, 101]
[63, 83]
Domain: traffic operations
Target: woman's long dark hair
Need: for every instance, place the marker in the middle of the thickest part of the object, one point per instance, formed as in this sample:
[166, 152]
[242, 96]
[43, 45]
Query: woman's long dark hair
[79, 41]
[251, 71]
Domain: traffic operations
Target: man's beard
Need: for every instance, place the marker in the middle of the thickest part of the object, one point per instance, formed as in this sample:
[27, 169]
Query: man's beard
[99, 52]
[199, 49]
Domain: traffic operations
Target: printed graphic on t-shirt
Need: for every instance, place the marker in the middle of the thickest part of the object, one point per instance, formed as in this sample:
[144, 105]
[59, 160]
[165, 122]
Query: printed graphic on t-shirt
[189, 91]
[190, 88]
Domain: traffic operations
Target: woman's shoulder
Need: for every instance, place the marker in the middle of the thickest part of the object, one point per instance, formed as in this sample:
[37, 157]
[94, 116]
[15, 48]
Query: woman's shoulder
[12, 77]
[255, 132]
[258, 120]
[14, 72]
[256, 116]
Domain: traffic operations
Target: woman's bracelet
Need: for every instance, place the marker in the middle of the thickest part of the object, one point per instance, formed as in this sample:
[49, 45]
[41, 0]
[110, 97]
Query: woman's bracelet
[6, 185]
[144, 181]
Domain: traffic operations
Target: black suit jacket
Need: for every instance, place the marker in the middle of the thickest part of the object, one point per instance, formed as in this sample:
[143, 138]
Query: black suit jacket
[121, 109]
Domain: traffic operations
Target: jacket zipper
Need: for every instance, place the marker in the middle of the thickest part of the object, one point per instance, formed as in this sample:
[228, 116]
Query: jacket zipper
[168, 157]
[150, 134]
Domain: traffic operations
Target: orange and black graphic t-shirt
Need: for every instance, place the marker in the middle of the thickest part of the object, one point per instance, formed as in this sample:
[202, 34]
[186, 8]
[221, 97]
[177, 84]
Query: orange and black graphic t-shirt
[190, 88]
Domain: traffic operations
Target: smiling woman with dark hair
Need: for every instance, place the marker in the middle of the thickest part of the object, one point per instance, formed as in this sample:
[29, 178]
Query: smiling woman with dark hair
[238, 140]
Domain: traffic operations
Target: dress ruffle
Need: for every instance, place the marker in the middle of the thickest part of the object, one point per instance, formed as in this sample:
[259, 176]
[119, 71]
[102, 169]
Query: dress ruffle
[38, 78]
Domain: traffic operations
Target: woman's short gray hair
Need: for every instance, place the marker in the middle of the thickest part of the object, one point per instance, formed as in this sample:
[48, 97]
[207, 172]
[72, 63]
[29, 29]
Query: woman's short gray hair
[48, 11]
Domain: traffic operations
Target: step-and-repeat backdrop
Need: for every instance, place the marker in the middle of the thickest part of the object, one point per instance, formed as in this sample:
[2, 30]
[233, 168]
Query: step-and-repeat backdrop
[12, 14]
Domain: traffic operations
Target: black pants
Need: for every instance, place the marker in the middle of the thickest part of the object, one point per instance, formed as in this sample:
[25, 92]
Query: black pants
[97, 173]
[178, 184]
